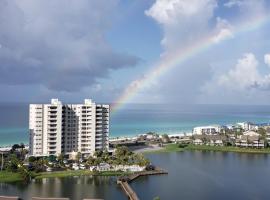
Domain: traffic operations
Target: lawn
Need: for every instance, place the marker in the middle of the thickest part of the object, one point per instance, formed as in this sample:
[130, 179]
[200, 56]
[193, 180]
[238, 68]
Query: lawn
[68, 173]
[8, 177]
[227, 149]
[175, 148]
[167, 149]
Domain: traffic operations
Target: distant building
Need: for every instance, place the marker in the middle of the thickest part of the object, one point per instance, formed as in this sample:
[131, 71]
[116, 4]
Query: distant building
[251, 133]
[249, 141]
[67, 128]
[248, 126]
[211, 140]
[206, 130]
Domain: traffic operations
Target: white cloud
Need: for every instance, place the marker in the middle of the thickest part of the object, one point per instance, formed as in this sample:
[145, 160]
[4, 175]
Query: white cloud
[244, 75]
[223, 30]
[232, 3]
[267, 59]
[242, 81]
[182, 21]
[223, 35]
[245, 3]
[168, 12]
[186, 22]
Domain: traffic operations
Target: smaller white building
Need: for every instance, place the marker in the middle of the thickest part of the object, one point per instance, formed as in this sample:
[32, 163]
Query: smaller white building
[198, 142]
[206, 130]
[128, 168]
[251, 133]
[248, 126]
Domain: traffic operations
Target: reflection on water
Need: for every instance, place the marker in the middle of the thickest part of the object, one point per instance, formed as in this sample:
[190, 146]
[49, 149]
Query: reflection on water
[192, 175]
[208, 175]
[75, 188]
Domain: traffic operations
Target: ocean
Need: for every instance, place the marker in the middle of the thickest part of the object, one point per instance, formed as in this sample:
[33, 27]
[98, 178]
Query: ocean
[135, 119]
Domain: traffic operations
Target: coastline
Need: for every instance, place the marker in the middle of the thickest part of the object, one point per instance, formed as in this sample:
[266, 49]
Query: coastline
[11, 177]
[227, 149]
[6, 146]
[175, 148]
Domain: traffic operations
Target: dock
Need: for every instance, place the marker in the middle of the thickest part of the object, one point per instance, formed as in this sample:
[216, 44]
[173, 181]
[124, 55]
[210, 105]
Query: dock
[124, 181]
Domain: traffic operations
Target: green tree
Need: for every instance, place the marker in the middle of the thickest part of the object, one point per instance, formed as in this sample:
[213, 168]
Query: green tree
[91, 161]
[13, 163]
[105, 156]
[26, 175]
[78, 156]
[52, 158]
[262, 133]
[39, 165]
[165, 138]
[32, 159]
[60, 159]
[98, 154]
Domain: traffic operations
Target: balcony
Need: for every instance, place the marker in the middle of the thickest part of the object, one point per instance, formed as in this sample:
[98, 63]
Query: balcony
[51, 135]
[52, 121]
[53, 107]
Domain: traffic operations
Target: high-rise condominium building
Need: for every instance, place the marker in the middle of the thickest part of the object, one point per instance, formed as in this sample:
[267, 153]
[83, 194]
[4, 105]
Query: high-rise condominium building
[67, 128]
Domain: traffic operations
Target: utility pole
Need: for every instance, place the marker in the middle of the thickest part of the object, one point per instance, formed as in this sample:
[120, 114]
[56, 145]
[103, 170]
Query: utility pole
[2, 163]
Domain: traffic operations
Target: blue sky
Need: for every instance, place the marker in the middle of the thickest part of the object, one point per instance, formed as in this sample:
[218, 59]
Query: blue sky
[96, 49]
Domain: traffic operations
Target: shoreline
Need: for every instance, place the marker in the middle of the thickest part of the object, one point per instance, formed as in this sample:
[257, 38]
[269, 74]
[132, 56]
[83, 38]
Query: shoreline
[112, 138]
[175, 148]
[11, 177]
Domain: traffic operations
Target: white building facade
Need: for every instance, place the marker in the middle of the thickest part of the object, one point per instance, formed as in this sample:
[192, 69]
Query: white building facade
[206, 130]
[67, 128]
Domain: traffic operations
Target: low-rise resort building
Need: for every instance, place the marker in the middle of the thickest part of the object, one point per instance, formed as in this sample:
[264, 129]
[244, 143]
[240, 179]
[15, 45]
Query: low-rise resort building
[247, 134]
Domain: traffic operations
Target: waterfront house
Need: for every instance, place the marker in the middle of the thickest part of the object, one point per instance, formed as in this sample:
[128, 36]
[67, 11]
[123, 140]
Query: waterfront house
[103, 167]
[211, 140]
[128, 168]
[218, 143]
[252, 141]
[251, 133]
[198, 142]
[268, 136]
[206, 130]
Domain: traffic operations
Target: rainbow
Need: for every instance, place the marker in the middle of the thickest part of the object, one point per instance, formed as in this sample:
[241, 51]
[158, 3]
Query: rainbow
[182, 55]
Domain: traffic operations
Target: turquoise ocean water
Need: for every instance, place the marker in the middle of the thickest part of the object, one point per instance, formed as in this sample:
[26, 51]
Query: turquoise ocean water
[140, 118]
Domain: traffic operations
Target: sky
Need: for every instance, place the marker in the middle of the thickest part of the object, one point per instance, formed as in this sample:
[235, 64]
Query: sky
[110, 50]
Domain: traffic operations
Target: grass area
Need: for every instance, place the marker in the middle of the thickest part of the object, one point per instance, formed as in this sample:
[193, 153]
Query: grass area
[86, 172]
[61, 174]
[175, 148]
[227, 149]
[167, 149]
[9, 177]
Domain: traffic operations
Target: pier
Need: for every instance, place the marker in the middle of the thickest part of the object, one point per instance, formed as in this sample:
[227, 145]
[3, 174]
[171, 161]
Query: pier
[124, 181]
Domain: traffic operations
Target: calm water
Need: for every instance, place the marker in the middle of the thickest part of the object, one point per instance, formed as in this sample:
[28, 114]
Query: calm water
[192, 175]
[135, 119]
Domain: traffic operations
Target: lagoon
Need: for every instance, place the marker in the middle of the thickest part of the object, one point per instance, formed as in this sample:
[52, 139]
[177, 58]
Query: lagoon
[192, 175]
